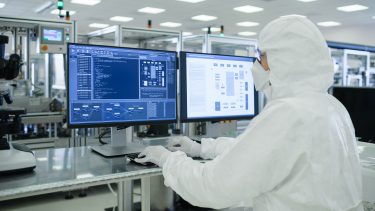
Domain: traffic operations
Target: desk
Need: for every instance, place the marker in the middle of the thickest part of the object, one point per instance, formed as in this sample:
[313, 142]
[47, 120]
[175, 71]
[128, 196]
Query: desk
[74, 168]
[367, 156]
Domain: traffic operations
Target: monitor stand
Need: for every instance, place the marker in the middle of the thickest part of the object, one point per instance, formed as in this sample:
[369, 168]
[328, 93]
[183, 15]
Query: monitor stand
[121, 144]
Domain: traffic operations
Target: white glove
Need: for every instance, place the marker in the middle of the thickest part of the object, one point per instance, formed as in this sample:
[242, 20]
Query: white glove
[184, 144]
[154, 154]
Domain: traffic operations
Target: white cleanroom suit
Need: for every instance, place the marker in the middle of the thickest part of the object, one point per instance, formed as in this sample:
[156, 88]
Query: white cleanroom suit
[298, 154]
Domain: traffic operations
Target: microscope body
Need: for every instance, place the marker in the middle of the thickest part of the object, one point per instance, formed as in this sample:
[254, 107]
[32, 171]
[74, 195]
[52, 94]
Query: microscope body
[15, 157]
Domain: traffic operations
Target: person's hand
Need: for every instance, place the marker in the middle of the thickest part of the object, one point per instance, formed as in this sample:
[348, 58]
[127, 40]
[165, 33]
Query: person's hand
[184, 144]
[154, 154]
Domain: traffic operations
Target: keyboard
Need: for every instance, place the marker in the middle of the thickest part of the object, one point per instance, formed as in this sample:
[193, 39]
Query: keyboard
[133, 156]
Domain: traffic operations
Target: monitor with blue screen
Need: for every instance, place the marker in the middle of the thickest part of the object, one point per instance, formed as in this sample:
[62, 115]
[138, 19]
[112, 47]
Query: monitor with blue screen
[216, 87]
[112, 86]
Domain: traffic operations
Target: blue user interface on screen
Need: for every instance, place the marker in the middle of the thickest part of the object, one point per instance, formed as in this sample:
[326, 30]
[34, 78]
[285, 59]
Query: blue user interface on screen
[111, 85]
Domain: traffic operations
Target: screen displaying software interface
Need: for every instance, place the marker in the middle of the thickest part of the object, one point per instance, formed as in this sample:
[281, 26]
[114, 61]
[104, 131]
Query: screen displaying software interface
[219, 86]
[114, 85]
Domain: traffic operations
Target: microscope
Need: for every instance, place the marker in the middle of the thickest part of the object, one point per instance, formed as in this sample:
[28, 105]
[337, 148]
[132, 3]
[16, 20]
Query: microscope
[14, 157]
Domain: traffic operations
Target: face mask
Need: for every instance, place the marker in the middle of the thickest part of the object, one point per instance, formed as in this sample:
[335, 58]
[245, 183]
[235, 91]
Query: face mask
[261, 79]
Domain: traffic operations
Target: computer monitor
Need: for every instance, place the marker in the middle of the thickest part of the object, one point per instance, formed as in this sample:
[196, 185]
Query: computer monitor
[360, 103]
[114, 86]
[216, 87]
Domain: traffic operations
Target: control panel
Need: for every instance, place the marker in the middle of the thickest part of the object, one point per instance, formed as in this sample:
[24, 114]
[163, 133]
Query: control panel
[53, 39]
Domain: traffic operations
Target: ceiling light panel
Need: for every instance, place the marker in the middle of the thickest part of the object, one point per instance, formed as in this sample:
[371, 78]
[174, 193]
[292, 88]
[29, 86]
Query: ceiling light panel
[121, 19]
[247, 24]
[86, 2]
[192, 1]
[247, 34]
[56, 12]
[329, 24]
[213, 29]
[187, 33]
[98, 25]
[170, 24]
[306, 1]
[352, 8]
[151, 10]
[248, 9]
[284, 16]
[2, 5]
[204, 18]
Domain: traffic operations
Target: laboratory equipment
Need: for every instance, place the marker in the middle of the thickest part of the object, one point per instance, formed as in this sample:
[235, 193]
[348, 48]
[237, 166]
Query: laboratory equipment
[116, 86]
[216, 87]
[52, 39]
[360, 103]
[14, 157]
[353, 64]
[41, 45]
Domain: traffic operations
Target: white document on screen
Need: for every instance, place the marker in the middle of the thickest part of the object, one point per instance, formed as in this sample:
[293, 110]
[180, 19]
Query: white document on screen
[219, 87]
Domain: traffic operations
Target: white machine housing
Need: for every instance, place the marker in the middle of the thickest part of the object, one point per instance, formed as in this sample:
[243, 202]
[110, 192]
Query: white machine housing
[53, 39]
[13, 160]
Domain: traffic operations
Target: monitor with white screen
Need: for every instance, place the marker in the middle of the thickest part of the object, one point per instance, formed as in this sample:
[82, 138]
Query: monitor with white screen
[216, 87]
[112, 86]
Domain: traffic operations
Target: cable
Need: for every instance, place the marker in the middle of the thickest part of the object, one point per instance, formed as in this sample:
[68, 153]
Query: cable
[111, 189]
[102, 135]
[113, 192]
[108, 130]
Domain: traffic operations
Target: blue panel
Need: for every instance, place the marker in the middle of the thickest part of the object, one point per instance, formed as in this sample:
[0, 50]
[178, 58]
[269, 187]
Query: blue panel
[170, 109]
[230, 83]
[217, 106]
[115, 78]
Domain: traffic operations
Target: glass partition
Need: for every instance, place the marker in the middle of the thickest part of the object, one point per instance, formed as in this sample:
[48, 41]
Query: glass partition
[151, 39]
[107, 36]
[194, 43]
[337, 57]
[237, 46]
[356, 66]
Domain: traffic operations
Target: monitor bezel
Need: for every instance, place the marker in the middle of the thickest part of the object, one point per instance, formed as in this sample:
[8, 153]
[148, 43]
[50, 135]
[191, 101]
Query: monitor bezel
[117, 124]
[183, 94]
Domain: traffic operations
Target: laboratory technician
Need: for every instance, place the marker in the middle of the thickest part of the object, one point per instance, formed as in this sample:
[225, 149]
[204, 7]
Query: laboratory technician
[298, 154]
